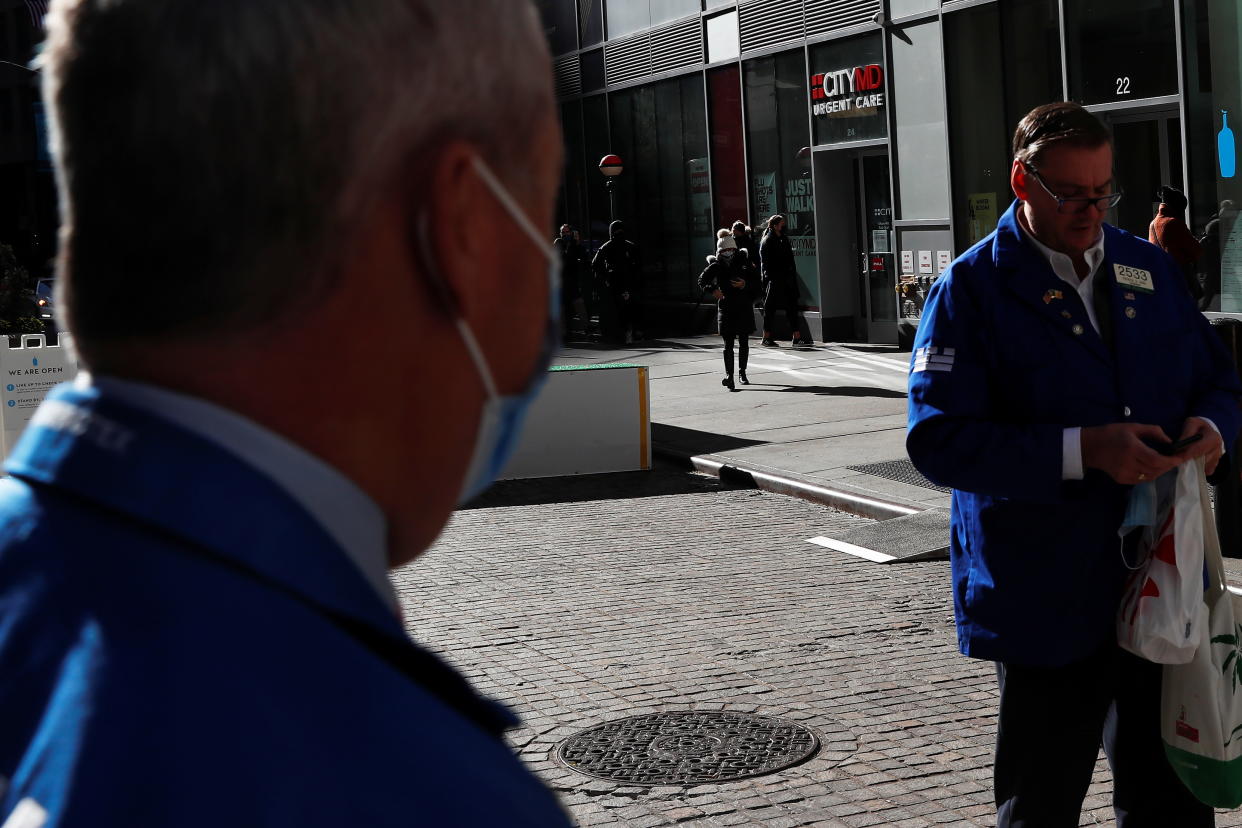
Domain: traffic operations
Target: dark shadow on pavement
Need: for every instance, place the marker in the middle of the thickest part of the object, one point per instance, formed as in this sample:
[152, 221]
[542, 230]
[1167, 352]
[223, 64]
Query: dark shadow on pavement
[664, 479]
[834, 391]
[690, 442]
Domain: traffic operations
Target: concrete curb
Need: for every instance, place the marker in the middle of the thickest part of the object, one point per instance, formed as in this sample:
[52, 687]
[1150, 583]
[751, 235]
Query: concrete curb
[855, 503]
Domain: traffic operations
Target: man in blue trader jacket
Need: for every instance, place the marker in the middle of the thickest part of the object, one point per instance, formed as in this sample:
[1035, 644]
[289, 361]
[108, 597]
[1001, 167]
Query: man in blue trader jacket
[1052, 358]
[196, 627]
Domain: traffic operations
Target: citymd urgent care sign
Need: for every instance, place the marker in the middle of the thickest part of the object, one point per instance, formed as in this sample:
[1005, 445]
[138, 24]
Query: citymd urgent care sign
[848, 90]
[860, 87]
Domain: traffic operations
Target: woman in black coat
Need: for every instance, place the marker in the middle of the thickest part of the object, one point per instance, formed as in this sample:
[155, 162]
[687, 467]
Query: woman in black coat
[780, 275]
[733, 280]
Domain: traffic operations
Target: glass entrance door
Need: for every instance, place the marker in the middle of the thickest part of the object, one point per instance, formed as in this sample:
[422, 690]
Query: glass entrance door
[875, 230]
[1148, 153]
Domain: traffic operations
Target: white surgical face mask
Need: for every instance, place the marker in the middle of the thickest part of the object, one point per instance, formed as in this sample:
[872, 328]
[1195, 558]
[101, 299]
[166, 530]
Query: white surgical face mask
[500, 421]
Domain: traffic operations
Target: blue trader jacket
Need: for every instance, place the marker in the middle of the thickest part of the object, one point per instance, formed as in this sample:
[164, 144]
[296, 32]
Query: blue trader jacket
[1005, 359]
[182, 645]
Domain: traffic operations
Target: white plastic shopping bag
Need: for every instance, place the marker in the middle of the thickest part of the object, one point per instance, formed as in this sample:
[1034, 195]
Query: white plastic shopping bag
[1201, 705]
[1161, 608]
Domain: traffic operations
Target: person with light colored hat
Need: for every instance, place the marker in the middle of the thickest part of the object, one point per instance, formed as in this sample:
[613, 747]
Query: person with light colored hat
[730, 276]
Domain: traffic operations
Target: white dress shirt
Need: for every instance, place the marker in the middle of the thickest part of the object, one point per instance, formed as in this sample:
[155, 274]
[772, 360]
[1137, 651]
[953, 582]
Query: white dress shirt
[345, 512]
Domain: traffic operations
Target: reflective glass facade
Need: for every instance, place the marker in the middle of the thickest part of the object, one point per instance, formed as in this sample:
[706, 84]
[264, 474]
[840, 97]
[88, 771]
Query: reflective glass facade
[804, 120]
[779, 154]
[661, 133]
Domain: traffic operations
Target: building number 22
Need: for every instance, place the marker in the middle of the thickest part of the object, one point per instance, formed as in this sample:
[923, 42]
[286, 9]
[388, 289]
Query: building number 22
[1123, 86]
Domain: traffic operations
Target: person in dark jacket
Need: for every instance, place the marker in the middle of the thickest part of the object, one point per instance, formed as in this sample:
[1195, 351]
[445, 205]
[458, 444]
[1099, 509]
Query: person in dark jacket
[1215, 235]
[1169, 232]
[745, 238]
[618, 274]
[780, 278]
[732, 280]
[573, 285]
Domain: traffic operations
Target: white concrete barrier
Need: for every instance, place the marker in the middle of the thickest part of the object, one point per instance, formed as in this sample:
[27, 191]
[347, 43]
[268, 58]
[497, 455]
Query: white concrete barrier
[29, 371]
[589, 419]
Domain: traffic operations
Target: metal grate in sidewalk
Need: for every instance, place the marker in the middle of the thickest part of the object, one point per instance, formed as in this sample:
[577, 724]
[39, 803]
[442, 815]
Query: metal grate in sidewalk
[902, 471]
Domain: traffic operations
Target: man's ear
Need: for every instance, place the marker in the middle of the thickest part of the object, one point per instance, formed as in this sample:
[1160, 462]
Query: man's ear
[446, 200]
[1018, 180]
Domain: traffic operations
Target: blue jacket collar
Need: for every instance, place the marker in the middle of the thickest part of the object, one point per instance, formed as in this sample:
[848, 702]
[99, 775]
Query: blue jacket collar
[118, 457]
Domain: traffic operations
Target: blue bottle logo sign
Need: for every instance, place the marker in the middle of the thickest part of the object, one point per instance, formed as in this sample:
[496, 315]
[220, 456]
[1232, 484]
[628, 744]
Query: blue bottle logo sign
[1225, 148]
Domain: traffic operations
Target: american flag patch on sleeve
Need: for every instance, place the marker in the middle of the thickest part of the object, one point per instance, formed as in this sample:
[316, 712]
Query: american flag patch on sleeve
[933, 359]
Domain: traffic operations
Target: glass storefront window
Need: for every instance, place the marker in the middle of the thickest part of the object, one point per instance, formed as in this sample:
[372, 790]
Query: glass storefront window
[1120, 50]
[849, 90]
[574, 199]
[590, 22]
[596, 143]
[1001, 61]
[1213, 98]
[778, 142]
[560, 24]
[724, 99]
[628, 16]
[722, 37]
[591, 66]
[664, 196]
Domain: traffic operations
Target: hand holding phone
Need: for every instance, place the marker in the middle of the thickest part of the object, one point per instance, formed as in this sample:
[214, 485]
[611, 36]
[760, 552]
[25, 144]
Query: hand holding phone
[1169, 449]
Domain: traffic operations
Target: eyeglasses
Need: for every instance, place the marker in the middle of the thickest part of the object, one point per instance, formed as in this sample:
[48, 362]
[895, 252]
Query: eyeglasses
[1077, 205]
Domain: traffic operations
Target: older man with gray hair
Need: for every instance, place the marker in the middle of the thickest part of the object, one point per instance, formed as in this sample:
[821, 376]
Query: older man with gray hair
[269, 208]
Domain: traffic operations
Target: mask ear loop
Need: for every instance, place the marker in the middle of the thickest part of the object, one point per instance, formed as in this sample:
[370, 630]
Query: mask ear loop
[451, 305]
[502, 195]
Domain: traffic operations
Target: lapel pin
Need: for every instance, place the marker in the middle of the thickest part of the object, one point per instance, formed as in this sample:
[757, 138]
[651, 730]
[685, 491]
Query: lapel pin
[1053, 294]
[1067, 314]
[1130, 313]
[1077, 329]
[1129, 297]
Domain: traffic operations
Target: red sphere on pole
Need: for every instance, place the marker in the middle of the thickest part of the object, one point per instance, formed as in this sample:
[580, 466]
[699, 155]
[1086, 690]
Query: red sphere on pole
[610, 165]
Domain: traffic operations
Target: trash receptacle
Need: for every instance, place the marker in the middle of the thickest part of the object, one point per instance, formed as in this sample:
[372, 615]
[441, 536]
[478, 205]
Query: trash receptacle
[1228, 491]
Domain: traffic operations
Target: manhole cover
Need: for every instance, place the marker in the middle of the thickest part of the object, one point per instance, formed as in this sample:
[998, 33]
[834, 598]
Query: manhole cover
[903, 471]
[687, 748]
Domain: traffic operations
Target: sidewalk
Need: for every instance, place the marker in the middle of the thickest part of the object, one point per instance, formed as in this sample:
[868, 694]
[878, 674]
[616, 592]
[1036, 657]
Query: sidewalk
[805, 425]
[815, 423]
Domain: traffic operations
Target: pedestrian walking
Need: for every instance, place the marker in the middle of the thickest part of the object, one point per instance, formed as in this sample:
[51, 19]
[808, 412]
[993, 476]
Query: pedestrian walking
[197, 627]
[1052, 361]
[745, 238]
[1216, 235]
[732, 279]
[574, 284]
[780, 279]
[1169, 232]
[618, 273]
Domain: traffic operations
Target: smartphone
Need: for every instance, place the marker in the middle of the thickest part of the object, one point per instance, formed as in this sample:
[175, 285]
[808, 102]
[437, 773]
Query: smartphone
[1168, 449]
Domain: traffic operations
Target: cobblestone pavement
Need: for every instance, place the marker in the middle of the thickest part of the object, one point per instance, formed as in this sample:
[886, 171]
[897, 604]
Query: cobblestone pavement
[585, 604]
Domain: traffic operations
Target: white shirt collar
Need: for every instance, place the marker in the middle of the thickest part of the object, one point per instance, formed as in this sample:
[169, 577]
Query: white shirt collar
[1063, 266]
[344, 511]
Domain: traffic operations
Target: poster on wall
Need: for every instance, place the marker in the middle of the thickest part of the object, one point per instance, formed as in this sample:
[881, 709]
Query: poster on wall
[764, 187]
[983, 215]
[804, 251]
[925, 263]
[700, 197]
